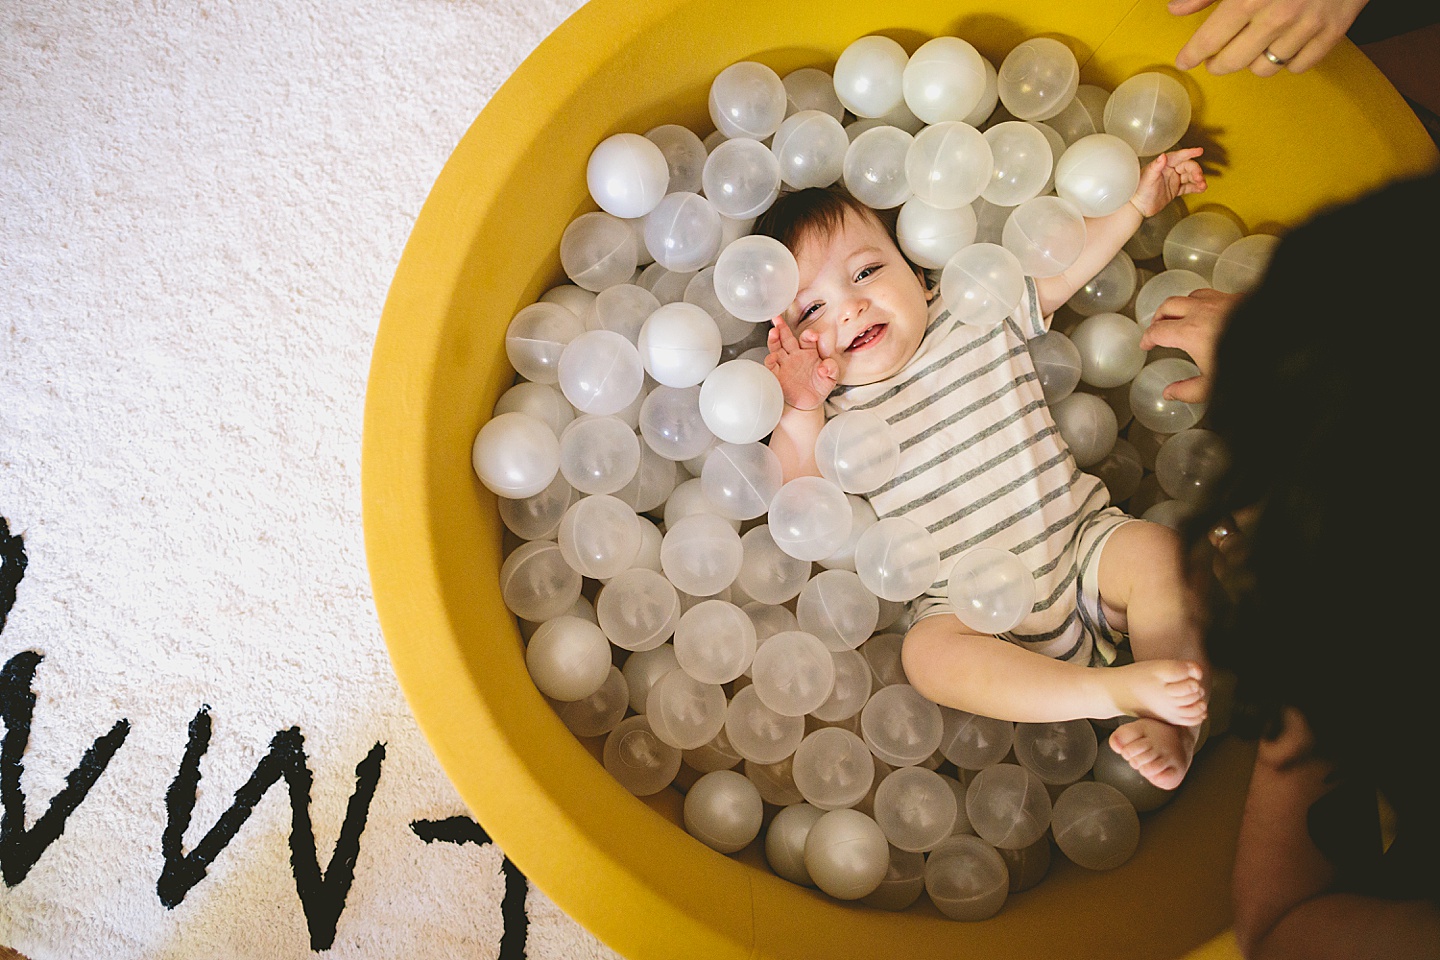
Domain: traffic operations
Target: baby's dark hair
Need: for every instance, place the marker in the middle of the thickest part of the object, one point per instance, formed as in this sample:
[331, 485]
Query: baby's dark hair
[820, 212]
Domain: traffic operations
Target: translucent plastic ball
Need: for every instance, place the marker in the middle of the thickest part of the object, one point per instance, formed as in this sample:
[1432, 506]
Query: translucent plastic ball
[758, 733]
[1095, 826]
[1098, 174]
[599, 454]
[793, 673]
[775, 781]
[810, 146]
[701, 554]
[723, 810]
[671, 423]
[1057, 148]
[627, 175]
[1147, 399]
[1057, 364]
[944, 79]
[599, 536]
[740, 479]
[715, 755]
[1115, 770]
[568, 658]
[767, 573]
[874, 171]
[683, 232]
[900, 726]
[623, 308]
[641, 761]
[862, 517]
[536, 583]
[540, 400]
[684, 155]
[1161, 287]
[598, 250]
[785, 842]
[1087, 425]
[638, 609]
[811, 88]
[966, 879]
[1110, 351]
[1242, 264]
[569, 296]
[915, 808]
[930, 236]
[1190, 463]
[1084, 115]
[1008, 806]
[991, 590]
[654, 481]
[516, 455]
[846, 854]
[741, 401]
[903, 884]
[599, 713]
[536, 338]
[810, 518]
[747, 99]
[1023, 163]
[1150, 111]
[1196, 242]
[688, 499]
[538, 517]
[741, 178]
[643, 667]
[853, 683]
[600, 372]
[857, 451]
[836, 607]
[1037, 79]
[1045, 234]
[679, 345]
[685, 712]
[1121, 471]
[973, 742]
[756, 277]
[700, 292]
[1149, 240]
[1057, 753]
[948, 164]
[988, 99]
[869, 76]
[1027, 866]
[897, 559]
[982, 284]
[882, 652]
[714, 641]
[1109, 290]
[1170, 513]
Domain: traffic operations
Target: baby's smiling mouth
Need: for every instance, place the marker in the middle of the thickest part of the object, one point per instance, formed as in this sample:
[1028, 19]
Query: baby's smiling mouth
[866, 337]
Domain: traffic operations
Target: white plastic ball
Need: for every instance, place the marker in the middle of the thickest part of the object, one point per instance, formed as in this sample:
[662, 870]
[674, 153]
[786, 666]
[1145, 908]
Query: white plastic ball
[639, 760]
[1008, 806]
[1084, 115]
[568, 658]
[599, 713]
[715, 755]
[944, 79]
[683, 232]
[685, 712]
[689, 499]
[1057, 364]
[853, 685]
[1109, 290]
[793, 673]
[1023, 162]
[1241, 265]
[982, 284]
[679, 345]
[623, 308]
[915, 808]
[1058, 753]
[627, 175]
[857, 451]
[758, 733]
[540, 400]
[671, 423]
[741, 178]
[948, 164]
[1190, 463]
[723, 811]
[643, 667]
[833, 768]
[1147, 399]
[599, 536]
[536, 338]
[1057, 148]
[573, 298]
[1121, 471]
[930, 236]
[775, 781]
[700, 292]
[810, 518]
[973, 742]
[767, 573]
[900, 726]
[654, 481]
[740, 479]
[862, 517]
[741, 401]
[810, 146]
[836, 607]
[1098, 174]
[875, 171]
[1196, 242]
[1150, 111]
[846, 854]
[869, 76]
[701, 554]
[1045, 234]
[991, 590]
[1037, 78]
[989, 97]
[714, 641]
[747, 99]
[536, 583]
[1088, 427]
[599, 454]
[538, 517]
[516, 455]
[897, 559]
[638, 609]
[1161, 287]
[756, 278]
[1110, 351]
[598, 250]
[684, 153]
[966, 879]
[1149, 239]
[785, 842]
[811, 88]
[1095, 826]
[600, 372]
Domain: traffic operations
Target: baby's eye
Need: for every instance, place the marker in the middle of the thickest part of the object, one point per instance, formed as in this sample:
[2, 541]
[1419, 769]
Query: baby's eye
[867, 271]
[808, 313]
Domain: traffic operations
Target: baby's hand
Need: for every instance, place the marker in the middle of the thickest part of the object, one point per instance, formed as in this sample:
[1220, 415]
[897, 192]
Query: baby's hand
[1166, 177]
[806, 378]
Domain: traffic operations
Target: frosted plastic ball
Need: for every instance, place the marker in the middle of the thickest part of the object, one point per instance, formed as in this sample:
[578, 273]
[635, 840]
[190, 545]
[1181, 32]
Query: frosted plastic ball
[882, 652]
[1109, 290]
[810, 146]
[767, 573]
[1095, 826]
[688, 499]
[1027, 866]
[599, 536]
[982, 284]
[988, 99]
[758, 733]
[915, 808]
[1242, 264]
[540, 400]
[785, 842]
[869, 76]
[836, 607]
[641, 761]
[650, 541]
[1046, 235]
[944, 79]
[1196, 242]
[671, 424]
[930, 236]
[769, 618]
[809, 518]
[741, 178]
[1057, 364]
[1008, 806]
[903, 884]
[600, 372]
[1057, 147]
[1088, 427]
[741, 401]
[874, 171]
[1190, 463]
[811, 88]
[599, 713]
[948, 164]
[846, 854]
[667, 285]
[568, 658]
[740, 479]
[756, 278]
[900, 726]
[700, 291]
[642, 668]
[973, 742]
[598, 250]
[747, 99]
[775, 781]
[723, 810]
[1037, 78]
[638, 609]
[1121, 471]
[1150, 112]
[833, 768]
[1161, 287]
[793, 673]
[1023, 163]
[679, 345]
[1113, 769]
[966, 879]
[536, 583]
[683, 232]
[1084, 115]
[627, 175]
[536, 338]
[1110, 351]
[652, 484]
[897, 559]
[538, 517]
[573, 298]
[1149, 240]
[701, 554]
[1147, 399]
[1098, 174]
[1057, 753]
[862, 517]
[516, 455]
[857, 451]
[991, 590]
[599, 454]
[622, 308]
[685, 712]
[715, 755]
[714, 641]
[853, 683]
[684, 155]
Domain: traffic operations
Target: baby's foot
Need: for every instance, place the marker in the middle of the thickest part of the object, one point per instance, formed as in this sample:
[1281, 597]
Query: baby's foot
[1169, 690]
[1160, 752]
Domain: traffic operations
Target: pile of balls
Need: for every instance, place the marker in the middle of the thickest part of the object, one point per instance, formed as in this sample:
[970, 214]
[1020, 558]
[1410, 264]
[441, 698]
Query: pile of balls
[738, 636]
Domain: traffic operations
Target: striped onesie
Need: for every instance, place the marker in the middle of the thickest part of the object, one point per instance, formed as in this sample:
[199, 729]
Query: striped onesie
[982, 463]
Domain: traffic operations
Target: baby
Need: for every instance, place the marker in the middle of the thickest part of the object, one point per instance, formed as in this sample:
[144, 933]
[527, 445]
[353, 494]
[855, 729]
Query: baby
[982, 463]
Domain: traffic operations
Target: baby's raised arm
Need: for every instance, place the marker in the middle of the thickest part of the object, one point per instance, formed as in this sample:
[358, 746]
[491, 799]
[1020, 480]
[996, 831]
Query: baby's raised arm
[806, 378]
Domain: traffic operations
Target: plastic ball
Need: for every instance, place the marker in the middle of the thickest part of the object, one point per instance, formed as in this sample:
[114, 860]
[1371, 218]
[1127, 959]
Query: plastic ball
[1087, 425]
[900, 726]
[747, 99]
[1008, 806]
[811, 88]
[1196, 242]
[537, 517]
[759, 734]
[810, 146]
[973, 742]
[1057, 147]
[516, 455]
[1083, 116]
[862, 517]
[897, 559]
[575, 299]
[1109, 290]
[568, 658]
[643, 667]
[1161, 287]
[1149, 239]
[671, 423]
[982, 284]
[809, 518]
[1149, 405]
[944, 79]
[930, 236]
[1110, 351]
[991, 590]
[654, 481]
[846, 854]
[627, 175]
[600, 372]
[793, 673]
[1121, 471]
[767, 573]
[853, 684]
[989, 220]
[679, 345]
[1150, 112]
[688, 499]
[599, 454]
[835, 606]
[756, 278]
[915, 808]
[1057, 364]
[1095, 826]
[684, 154]
[869, 76]
[882, 652]
[623, 309]
[542, 401]
[741, 401]
[1058, 753]
[966, 879]
[1113, 769]
[1098, 174]
[785, 842]
[701, 554]
[683, 232]
[1190, 463]
[715, 755]
[1045, 234]
[775, 781]
[903, 884]
[1023, 163]
[599, 713]
[536, 338]
[685, 712]
[598, 250]
[599, 536]
[857, 451]
[875, 167]
[948, 164]
[1037, 78]
[741, 178]
[723, 811]
[714, 641]
[700, 292]
[740, 480]
[638, 609]
[1241, 265]
[536, 583]
[639, 760]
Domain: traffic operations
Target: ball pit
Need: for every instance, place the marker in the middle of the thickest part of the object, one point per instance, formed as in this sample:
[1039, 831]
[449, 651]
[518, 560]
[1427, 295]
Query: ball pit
[488, 239]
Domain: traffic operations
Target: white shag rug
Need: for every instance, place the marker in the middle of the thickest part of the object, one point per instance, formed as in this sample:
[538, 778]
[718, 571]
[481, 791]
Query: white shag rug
[205, 751]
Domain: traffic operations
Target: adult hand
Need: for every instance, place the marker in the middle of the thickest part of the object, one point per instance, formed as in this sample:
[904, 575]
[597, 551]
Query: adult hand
[1192, 324]
[1238, 33]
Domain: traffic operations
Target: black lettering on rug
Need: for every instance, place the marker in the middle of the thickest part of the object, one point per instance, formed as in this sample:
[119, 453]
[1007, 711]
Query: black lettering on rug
[512, 908]
[12, 568]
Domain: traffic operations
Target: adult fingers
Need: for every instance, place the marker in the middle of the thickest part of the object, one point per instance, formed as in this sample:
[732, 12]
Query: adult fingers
[1193, 390]
[1183, 8]
[1224, 23]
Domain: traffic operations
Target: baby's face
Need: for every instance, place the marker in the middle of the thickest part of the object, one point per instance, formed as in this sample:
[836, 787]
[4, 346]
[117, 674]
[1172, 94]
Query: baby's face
[865, 303]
